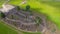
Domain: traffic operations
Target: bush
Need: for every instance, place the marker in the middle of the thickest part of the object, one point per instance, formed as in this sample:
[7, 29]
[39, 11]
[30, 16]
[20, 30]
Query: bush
[18, 7]
[2, 15]
[28, 7]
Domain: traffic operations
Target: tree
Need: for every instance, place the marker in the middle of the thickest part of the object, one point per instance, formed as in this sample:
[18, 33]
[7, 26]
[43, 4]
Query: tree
[18, 8]
[27, 7]
[2, 15]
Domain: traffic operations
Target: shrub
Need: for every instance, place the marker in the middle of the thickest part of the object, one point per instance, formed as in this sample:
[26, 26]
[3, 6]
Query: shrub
[28, 7]
[18, 7]
[2, 15]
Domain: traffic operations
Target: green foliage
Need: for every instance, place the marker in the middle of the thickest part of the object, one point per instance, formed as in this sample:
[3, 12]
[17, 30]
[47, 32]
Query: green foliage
[18, 7]
[28, 7]
[2, 15]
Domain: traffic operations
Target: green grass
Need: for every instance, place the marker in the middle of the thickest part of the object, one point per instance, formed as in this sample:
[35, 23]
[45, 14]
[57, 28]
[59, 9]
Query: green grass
[1, 1]
[53, 3]
[4, 29]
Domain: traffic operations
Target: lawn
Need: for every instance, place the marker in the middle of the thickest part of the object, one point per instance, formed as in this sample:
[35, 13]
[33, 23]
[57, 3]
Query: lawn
[52, 3]
[4, 29]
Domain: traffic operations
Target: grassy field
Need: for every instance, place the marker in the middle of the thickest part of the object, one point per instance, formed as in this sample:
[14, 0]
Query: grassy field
[51, 9]
[4, 29]
[52, 3]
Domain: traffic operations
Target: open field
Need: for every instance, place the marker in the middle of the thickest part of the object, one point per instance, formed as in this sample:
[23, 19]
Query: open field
[51, 9]
[54, 4]
[4, 29]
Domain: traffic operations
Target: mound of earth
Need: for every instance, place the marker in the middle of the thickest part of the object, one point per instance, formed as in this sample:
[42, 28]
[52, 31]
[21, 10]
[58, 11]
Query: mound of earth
[24, 20]
[29, 21]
